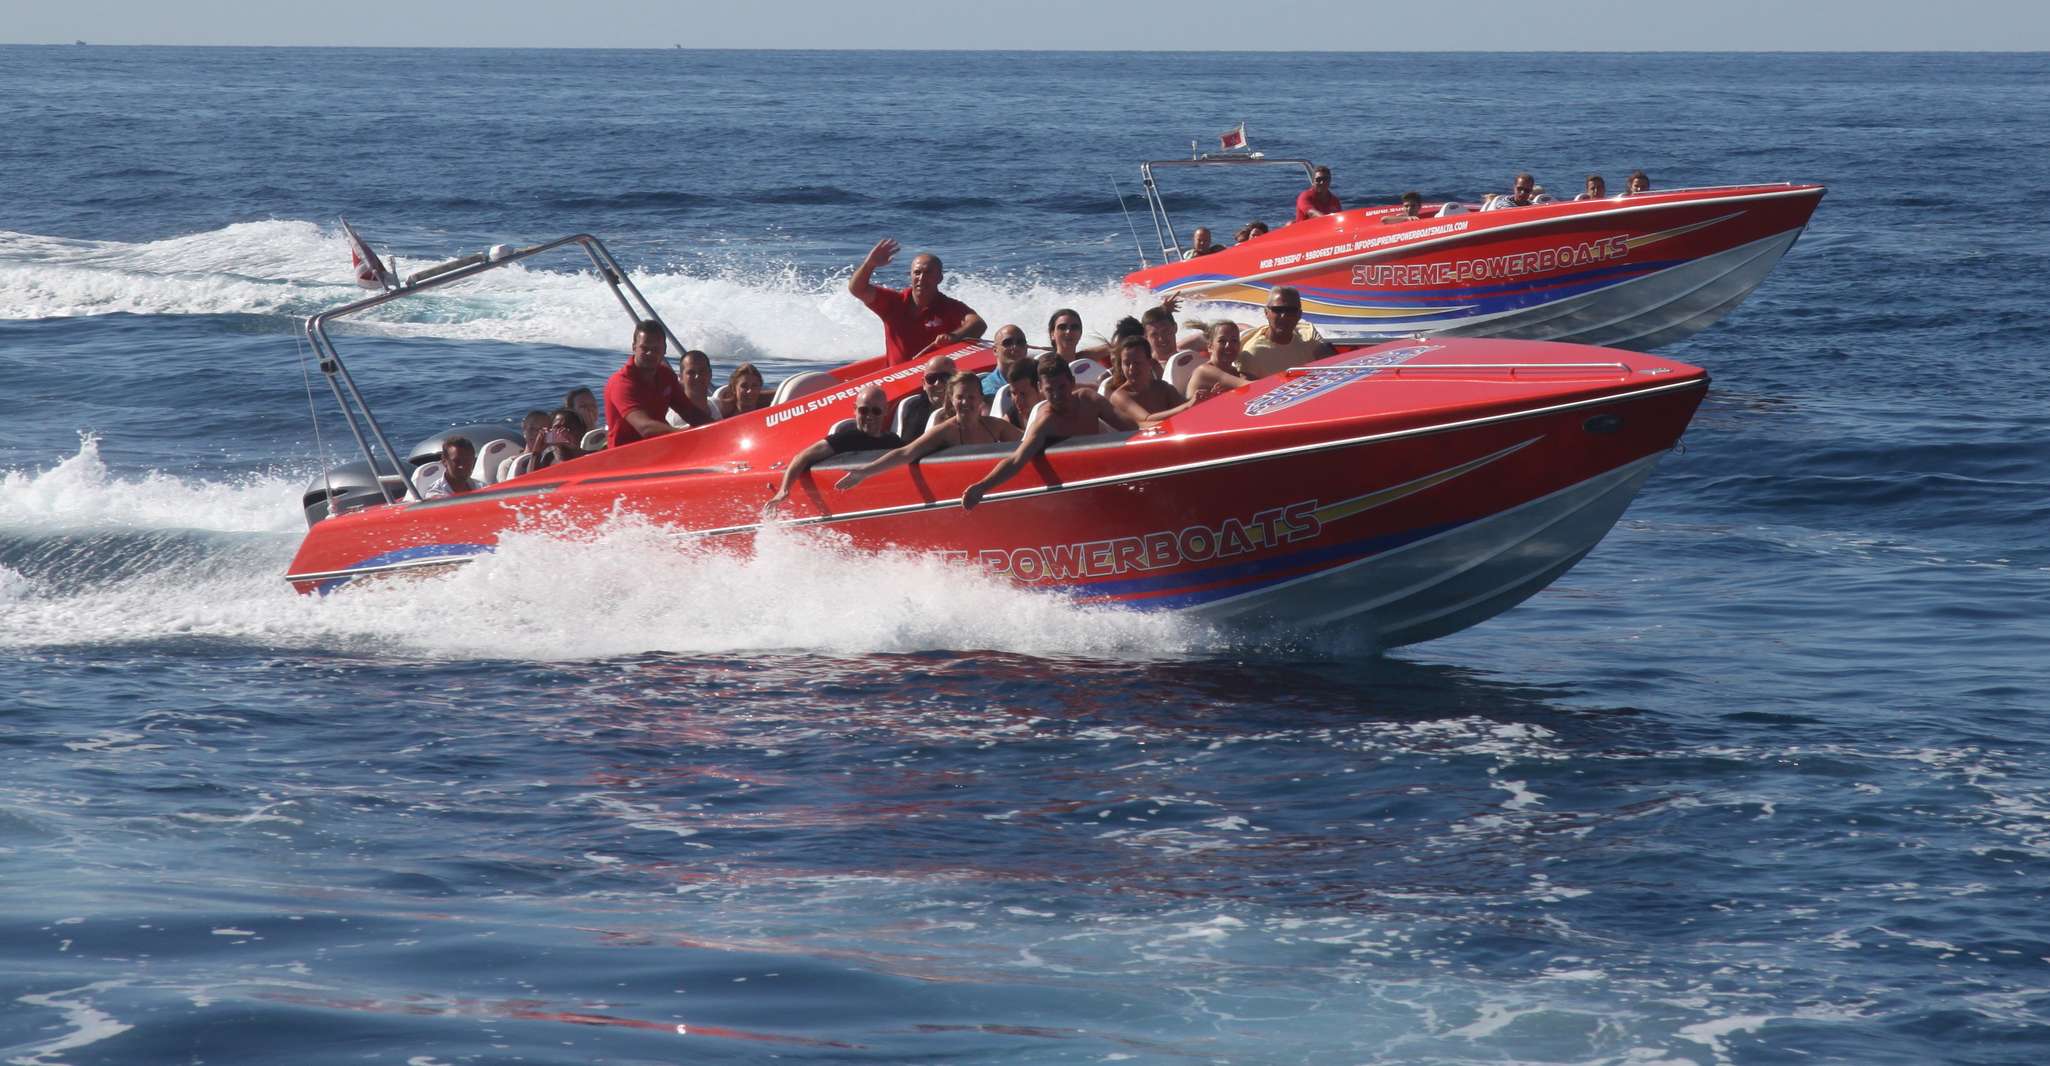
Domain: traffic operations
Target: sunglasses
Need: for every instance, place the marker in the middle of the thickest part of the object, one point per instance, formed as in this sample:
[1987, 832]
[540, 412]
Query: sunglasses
[868, 410]
[1321, 180]
[1013, 342]
[1285, 309]
[938, 376]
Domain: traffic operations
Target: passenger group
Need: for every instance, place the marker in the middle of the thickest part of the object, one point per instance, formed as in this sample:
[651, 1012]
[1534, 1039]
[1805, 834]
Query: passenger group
[1046, 402]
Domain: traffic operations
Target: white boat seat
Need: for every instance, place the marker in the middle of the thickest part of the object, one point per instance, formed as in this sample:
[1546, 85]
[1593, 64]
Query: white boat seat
[719, 398]
[430, 479]
[492, 456]
[1181, 365]
[594, 441]
[1451, 207]
[809, 381]
[1088, 371]
[518, 466]
[1106, 386]
[1003, 405]
[934, 419]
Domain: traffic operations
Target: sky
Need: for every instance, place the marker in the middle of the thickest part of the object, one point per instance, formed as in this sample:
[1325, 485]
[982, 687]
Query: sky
[1202, 25]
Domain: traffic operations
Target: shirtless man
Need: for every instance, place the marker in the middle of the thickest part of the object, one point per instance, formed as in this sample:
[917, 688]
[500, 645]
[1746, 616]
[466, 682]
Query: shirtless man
[1200, 244]
[970, 424]
[918, 317]
[1025, 394]
[1596, 189]
[1069, 411]
[867, 434]
[1144, 398]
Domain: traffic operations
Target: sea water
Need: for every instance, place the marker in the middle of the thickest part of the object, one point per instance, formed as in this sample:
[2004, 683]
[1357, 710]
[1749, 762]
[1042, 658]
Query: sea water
[1761, 780]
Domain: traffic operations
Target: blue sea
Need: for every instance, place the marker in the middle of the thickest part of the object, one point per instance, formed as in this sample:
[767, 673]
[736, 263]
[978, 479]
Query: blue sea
[1765, 779]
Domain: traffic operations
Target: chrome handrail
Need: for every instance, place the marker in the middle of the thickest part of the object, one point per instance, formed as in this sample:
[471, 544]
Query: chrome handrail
[1163, 226]
[462, 269]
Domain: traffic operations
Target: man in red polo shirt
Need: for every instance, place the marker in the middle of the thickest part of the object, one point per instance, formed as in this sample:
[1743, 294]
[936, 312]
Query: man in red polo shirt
[640, 395]
[918, 318]
[1318, 199]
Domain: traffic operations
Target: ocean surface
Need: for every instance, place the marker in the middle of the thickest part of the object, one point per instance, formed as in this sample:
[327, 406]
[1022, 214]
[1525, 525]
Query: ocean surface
[1765, 779]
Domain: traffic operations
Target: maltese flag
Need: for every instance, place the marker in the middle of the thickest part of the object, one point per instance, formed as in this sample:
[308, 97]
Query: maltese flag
[1235, 138]
[370, 273]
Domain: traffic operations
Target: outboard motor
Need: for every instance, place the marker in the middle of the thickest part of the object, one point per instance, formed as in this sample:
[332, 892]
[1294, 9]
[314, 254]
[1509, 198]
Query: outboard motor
[351, 486]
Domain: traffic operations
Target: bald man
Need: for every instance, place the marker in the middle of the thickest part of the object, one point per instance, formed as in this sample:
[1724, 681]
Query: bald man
[869, 433]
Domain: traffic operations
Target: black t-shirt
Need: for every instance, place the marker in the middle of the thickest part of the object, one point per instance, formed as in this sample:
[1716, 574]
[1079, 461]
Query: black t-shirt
[852, 439]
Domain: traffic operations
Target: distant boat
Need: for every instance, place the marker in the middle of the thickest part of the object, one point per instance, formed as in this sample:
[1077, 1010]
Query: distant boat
[81, 44]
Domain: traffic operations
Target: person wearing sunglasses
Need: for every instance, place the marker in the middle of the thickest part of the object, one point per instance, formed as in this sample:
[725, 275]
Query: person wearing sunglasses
[919, 406]
[1011, 349]
[1318, 200]
[1284, 341]
[918, 317]
[869, 433]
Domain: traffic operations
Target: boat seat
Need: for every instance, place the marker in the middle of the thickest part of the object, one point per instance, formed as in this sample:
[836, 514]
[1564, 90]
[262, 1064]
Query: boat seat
[594, 441]
[1107, 386]
[801, 384]
[1003, 405]
[1180, 366]
[1088, 371]
[518, 466]
[492, 456]
[1451, 207]
[845, 423]
[429, 478]
[899, 417]
[934, 419]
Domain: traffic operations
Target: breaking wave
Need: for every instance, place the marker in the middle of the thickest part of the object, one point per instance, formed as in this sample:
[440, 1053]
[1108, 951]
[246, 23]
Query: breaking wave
[744, 306]
[88, 558]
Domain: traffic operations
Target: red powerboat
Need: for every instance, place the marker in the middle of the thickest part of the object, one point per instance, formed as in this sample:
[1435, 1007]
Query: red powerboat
[1638, 271]
[1402, 492]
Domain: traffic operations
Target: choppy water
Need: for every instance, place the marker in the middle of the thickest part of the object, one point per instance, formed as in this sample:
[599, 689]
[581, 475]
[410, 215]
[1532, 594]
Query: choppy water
[1762, 780]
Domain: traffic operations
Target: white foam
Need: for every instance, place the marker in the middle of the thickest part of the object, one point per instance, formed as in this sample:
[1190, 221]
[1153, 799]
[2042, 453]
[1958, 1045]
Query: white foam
[627, 589]
[741, 308]
[80, 492]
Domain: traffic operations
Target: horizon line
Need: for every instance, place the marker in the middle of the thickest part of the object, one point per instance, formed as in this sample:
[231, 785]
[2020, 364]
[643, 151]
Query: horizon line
[75, 43]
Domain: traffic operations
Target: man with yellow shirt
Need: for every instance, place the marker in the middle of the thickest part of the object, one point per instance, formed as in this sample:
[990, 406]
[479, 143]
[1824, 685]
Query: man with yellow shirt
[1285, 341]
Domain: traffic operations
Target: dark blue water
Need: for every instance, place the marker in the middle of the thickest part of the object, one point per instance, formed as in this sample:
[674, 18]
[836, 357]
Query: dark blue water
[1763, 780]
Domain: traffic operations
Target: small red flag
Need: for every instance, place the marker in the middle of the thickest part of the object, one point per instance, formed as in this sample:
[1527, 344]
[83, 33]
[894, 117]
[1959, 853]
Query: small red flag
[1235, 138]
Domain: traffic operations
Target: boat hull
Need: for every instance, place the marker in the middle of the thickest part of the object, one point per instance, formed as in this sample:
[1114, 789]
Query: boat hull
[1634, 272]
[1395, 494]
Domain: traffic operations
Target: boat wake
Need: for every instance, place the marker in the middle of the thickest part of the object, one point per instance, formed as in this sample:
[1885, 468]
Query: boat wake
[89, 558]
[736, 307]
